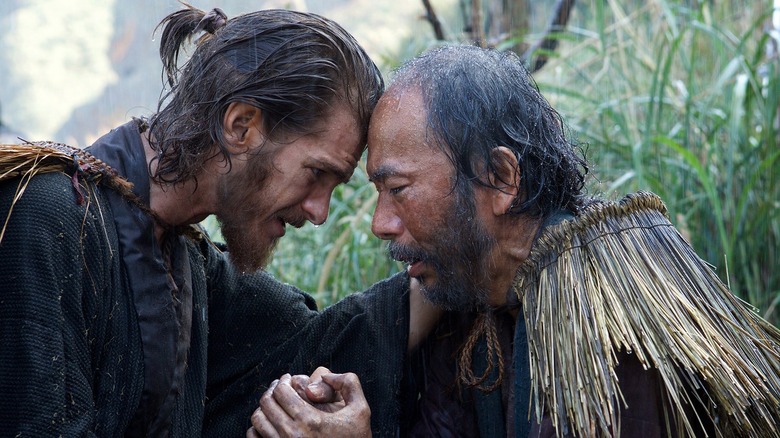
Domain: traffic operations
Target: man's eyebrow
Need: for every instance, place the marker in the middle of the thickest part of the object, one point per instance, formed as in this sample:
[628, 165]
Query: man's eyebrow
[382, 173]
[343, 173]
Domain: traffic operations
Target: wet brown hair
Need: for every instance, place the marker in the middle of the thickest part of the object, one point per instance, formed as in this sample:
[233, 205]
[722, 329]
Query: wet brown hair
[291, 65]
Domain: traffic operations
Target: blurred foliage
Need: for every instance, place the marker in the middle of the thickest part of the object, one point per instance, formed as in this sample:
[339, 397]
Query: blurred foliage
[676, 97]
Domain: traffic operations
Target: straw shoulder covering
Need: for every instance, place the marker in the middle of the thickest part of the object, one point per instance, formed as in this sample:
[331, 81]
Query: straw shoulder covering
[620, 277]
[24, 161]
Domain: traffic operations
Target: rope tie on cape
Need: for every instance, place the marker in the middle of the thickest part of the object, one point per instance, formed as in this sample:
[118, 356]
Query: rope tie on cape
[620, 277]
[484, 325]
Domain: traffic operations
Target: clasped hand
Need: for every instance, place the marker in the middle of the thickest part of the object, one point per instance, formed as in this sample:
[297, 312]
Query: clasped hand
[321, 405]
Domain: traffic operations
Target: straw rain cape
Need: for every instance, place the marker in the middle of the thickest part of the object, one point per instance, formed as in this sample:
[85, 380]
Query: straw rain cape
[28, 159]
[620, 277]
[25, 160]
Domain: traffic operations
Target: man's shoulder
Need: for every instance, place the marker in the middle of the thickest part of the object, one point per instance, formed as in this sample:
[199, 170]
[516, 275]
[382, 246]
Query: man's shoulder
[398, 282]
[51, 198]
[45, 190]
[388, 295]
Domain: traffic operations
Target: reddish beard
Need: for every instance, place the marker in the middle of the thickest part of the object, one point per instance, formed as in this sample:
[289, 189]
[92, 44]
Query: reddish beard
[247, 251]
[248, 248]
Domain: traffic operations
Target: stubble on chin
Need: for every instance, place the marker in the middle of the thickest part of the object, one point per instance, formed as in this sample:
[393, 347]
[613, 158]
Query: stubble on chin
[247, 252]
[247, 248]
[456, 296]
[457, 254]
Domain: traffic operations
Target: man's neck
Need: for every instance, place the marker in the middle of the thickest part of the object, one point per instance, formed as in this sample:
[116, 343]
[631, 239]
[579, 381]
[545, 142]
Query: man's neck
[514, 242]
[177, 204]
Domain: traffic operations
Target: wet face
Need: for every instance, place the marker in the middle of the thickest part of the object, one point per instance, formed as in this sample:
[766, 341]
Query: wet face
[285, 182]
[433, 225]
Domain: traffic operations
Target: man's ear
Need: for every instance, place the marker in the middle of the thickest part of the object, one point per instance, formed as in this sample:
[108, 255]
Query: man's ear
[505, 179]
[242, 126]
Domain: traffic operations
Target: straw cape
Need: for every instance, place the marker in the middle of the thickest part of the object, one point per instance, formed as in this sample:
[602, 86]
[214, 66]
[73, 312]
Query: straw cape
[621, 277]
[25, 160]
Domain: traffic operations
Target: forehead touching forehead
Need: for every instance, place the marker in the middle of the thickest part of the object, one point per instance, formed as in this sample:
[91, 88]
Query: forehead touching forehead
[398, 133]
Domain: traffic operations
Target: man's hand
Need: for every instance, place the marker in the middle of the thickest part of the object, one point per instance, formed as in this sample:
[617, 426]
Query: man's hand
[323, 405]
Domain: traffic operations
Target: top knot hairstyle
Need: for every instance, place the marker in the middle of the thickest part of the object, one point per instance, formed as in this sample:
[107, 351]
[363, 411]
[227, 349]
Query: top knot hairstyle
[479, 99]
[291, 65]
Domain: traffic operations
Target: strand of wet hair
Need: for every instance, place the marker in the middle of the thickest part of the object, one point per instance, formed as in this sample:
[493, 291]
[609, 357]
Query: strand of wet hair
[181, 26]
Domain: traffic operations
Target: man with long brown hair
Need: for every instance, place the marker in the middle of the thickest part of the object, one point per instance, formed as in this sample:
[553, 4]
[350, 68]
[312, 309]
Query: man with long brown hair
[118, 316]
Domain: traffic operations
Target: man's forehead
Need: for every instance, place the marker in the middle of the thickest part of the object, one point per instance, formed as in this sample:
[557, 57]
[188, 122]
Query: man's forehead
[398, 121]
[340, 142]
[409, 156]
[403, 101]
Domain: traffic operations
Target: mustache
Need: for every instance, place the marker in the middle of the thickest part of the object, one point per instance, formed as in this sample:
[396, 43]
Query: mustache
[406, 254]
[295, 218]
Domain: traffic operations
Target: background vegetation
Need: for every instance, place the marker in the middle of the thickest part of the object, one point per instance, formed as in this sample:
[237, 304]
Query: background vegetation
[676, 97]
[681, 98]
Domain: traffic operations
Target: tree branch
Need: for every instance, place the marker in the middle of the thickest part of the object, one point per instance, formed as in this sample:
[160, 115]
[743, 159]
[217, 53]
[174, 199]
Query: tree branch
[477, 30]
[550, 42]
[430, 16]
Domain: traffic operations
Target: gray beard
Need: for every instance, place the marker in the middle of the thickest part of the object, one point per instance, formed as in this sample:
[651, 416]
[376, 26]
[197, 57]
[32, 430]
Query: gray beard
[459, 258]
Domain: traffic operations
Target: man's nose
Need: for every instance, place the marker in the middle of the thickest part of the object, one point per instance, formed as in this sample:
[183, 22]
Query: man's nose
[316, 206]
[385, 224]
